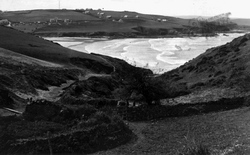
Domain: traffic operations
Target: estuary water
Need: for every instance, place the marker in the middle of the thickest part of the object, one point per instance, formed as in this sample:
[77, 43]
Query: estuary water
[158, 54]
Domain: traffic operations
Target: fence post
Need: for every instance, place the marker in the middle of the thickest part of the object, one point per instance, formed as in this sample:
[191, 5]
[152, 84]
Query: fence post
[50, 148]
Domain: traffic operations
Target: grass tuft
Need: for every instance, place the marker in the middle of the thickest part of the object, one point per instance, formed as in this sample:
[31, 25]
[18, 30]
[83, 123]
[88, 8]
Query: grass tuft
[198, 149]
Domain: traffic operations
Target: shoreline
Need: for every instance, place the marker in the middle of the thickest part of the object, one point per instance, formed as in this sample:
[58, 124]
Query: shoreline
[128, 35]
[157, 62]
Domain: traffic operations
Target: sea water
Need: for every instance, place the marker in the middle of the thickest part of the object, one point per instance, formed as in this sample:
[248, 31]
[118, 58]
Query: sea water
[159, 54]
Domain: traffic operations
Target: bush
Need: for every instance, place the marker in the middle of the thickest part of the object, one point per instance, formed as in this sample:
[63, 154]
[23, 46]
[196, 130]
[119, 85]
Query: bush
[197, 150]
[102, 117]
[85, 110]
[99, 132]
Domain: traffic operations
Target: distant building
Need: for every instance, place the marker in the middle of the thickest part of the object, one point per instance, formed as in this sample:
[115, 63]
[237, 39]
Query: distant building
[87, 12]
[67, 21]
[137, 16]
[120, 21]
[101, 14]
[56, 20]
[164, 20]
[125, 16]
[109, 17]
[4, 22]
[53, 20]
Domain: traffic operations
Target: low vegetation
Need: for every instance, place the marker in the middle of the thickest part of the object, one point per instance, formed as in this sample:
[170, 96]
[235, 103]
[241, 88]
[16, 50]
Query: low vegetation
[50, 128]
[87, 118]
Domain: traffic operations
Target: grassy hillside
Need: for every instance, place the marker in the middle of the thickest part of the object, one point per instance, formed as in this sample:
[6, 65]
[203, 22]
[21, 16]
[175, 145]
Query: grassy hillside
[38, 21]
[219, 72]
[39, 48]
[33, 71]
[29, 63]
[241, 21]
[105, 23]
[44, 15]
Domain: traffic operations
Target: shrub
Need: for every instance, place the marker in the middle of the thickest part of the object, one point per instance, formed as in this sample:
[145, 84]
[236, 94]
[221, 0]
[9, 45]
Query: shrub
[85, 110]
[102, 117]
[197, 150]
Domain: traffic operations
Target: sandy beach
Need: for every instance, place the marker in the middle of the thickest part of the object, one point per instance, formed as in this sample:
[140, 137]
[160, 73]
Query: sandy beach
[159, 54]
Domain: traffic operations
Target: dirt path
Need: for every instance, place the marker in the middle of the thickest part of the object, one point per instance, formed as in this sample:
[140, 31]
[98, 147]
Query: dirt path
[89, 75]
[54, 92]
[225, 133]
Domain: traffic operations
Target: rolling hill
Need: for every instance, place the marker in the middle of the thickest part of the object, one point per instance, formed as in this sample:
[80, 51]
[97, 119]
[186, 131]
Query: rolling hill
[220, 72]
[31, 65]
[37, 47]
[97, 23]
[241, 21]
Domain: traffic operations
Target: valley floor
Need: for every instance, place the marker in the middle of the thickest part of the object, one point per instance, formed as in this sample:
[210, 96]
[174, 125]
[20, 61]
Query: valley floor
[224, 133]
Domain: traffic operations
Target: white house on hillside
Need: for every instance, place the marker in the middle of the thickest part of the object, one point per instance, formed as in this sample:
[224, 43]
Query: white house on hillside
[109, 17]
[4, 22]
[87, 12]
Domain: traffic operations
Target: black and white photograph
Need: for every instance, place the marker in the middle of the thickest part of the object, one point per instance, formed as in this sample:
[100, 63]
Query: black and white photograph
[124, 77]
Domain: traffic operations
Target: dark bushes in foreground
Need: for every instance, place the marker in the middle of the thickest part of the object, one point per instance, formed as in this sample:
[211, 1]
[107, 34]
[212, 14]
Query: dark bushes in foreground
[87, 130]
[197, 150]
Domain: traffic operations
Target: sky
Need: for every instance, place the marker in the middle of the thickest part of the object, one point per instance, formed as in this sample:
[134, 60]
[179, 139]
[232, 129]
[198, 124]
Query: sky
[238, 8]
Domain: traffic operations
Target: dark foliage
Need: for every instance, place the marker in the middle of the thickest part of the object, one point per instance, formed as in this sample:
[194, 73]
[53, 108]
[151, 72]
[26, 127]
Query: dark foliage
[46, 128]
[197, 150]
[143, 83]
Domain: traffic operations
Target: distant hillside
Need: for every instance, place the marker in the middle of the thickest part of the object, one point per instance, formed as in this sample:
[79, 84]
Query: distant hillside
[30, 64]
[97, 23]
[44, 15]
[241, 21]
[90, 20]
[39, 48]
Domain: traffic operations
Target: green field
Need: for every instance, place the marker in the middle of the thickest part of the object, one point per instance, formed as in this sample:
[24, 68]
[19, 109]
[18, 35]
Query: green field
[38, 21]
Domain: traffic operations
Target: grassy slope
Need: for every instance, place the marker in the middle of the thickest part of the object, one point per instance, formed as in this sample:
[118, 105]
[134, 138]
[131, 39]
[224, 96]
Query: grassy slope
[44, 15]
[39, 48]
[241, 21]
[16, 58]
[224, 66]
[29, 63]
[94, 23]
[222, 132]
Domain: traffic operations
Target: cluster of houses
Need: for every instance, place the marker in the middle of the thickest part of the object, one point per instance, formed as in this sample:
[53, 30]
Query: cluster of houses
[57, 20]
[162, 20]
[103, 15]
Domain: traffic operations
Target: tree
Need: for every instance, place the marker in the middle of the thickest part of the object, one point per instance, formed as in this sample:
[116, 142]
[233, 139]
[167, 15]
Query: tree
[152, 89]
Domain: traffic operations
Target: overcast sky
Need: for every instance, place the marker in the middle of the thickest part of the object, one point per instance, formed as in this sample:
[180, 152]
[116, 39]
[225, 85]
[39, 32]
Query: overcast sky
[238, 8]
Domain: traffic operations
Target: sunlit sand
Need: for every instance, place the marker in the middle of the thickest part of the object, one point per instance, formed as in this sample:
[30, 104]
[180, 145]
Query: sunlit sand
[159, 55]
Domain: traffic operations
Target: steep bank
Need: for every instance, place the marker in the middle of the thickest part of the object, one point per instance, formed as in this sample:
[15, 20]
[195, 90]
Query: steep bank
[218, 69]
[30, 64]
